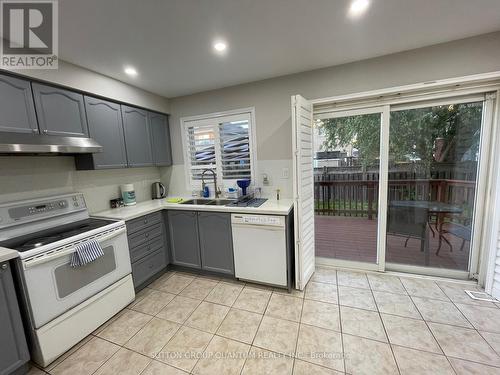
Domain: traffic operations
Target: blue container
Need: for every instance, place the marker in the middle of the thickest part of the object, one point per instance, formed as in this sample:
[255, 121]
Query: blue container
[243, 184]
[206, 192]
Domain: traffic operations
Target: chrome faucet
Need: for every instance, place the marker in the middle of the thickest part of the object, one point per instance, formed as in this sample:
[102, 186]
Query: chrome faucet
[217, 191]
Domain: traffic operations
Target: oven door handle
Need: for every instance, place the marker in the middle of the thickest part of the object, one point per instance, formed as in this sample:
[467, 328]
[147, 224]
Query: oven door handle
[43, 259]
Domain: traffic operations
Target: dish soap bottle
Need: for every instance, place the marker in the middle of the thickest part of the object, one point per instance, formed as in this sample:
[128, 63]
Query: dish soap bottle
[206, 192]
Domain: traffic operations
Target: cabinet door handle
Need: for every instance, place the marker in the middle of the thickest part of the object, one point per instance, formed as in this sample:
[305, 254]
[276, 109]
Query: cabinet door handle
[147, 235]
[145, 221]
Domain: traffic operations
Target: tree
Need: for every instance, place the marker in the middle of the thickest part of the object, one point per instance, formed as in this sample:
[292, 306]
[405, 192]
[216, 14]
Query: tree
[424, 136]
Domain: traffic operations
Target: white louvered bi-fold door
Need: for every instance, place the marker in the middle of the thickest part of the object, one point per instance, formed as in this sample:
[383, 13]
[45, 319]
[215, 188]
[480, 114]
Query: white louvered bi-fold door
[303, 189]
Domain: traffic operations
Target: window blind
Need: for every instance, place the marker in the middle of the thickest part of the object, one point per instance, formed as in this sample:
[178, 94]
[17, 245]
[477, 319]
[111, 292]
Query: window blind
[221, 143]
[234, 142]
[201, 149]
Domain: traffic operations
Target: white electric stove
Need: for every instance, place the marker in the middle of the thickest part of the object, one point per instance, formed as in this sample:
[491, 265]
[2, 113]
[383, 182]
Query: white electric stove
[62, 304]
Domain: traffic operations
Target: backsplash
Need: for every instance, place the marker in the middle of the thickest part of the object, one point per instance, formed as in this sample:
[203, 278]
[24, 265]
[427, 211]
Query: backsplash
[175, 179]
[25, 177]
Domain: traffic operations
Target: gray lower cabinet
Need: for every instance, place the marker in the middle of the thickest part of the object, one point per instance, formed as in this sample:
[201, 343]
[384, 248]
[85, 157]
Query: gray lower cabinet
[145, 269]
[106, 127]
[184, 241]
[160, 139]
[14, 352]
[137, 137]
[17, 109]
[59, 111]
[201, 240]
[147, 242]
[216, 242]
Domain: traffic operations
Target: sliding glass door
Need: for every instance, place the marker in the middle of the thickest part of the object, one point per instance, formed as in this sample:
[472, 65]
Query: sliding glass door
[347, 186]
[402, 187]
[434, 156]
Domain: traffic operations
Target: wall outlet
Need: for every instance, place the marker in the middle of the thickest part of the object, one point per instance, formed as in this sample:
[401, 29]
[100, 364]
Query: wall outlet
[285, 173]
[265, 179]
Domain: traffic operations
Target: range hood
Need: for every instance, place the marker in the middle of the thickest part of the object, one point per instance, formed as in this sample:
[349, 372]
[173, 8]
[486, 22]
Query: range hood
[23, 143]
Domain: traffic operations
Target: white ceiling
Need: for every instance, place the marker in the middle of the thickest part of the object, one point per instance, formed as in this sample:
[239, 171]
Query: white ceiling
[170, 41]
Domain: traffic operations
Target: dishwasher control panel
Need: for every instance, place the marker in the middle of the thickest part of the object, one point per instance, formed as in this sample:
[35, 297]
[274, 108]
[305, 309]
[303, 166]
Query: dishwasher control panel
[264, 220]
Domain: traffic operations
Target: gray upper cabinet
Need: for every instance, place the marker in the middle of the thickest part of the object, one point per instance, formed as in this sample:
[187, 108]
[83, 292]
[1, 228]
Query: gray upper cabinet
[17, 110]
[106, 127]
[137, 137]
[60, 112]
[184, 244]
[14, 352]
[216, 242]
[160, 139]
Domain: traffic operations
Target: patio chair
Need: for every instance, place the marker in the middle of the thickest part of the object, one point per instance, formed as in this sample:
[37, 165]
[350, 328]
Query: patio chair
[458, 230]
[409, 222]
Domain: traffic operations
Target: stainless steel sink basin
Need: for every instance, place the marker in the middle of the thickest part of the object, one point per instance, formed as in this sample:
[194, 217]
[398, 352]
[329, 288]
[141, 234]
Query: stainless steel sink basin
[210, 202]
[219, 202]
[197, 201]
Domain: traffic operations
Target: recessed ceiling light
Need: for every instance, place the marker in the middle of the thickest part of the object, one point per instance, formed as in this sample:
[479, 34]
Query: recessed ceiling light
[130, 71]
[220, 46]
[358, 7]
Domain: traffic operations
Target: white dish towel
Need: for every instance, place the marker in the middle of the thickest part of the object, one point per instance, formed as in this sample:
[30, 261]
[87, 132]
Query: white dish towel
[86, 253]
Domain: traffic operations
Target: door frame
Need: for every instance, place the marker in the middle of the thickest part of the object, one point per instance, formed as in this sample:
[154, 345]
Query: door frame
[384, 111]
[447, 89]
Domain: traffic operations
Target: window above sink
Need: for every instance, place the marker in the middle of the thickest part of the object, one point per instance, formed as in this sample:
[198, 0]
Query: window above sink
[223, 142]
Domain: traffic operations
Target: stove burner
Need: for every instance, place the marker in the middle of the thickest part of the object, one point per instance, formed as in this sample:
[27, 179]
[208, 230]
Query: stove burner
[37, 242]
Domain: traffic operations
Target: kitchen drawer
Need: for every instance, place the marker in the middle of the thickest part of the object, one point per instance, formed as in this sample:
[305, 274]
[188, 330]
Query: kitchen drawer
[142, 236]
[143, 222]
[148, 266]
[150, 246]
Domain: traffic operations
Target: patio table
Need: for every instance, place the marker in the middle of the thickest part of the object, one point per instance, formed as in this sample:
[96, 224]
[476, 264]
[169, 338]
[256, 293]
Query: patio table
[440, 209]
[433, 206]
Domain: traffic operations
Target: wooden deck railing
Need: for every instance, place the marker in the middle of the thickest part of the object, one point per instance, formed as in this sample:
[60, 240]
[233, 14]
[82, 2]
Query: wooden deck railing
[360, 197]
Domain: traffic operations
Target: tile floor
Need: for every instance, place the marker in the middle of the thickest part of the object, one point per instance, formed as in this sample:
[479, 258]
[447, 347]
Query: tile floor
[344, 322]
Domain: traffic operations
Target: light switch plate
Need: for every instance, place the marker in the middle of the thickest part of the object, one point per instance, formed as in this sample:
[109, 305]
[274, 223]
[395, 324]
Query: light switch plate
[265, 179]
[285, 173]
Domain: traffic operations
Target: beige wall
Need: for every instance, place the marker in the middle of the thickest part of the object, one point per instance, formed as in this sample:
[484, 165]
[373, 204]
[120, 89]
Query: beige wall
[23, 177]
[26, 177]
[271, 98]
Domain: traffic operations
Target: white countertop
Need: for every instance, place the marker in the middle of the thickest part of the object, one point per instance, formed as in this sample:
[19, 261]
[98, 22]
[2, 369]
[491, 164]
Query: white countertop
[7, 254]
[270, 207]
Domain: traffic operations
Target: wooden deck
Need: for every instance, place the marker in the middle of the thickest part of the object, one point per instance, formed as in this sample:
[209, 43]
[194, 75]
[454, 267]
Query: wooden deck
[352, 238]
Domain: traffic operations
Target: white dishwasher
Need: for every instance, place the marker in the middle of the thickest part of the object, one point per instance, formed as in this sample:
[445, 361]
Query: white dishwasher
[259, 244]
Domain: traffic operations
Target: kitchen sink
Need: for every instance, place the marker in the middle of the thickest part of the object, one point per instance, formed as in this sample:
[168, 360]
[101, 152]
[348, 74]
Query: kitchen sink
[220, 202]
[197, 201]
[210, 202]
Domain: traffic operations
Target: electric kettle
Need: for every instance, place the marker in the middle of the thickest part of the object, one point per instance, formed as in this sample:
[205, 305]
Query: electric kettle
[158, 190]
